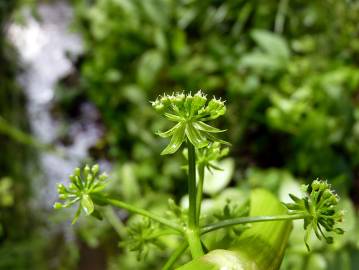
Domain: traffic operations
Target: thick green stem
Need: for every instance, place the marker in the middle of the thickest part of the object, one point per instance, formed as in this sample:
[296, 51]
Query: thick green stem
[192, 232]
[192, 185]
[194, 242]
[243, 220]
[140, 211]
[199, 192]
[175, 256]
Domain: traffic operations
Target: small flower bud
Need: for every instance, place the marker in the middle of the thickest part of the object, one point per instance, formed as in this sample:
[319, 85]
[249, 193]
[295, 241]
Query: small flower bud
[95, 169]
[73, 178]
[86, 170]
[327, 194]
[316, 185]
[334, 200]
[61, 188]
[103, 177]
[77, 172]
[63, 196]
[166, 101]
[159, 107]
[72, 186]
[89, 178]
[57, 205]
[178, 100]
[324, 185]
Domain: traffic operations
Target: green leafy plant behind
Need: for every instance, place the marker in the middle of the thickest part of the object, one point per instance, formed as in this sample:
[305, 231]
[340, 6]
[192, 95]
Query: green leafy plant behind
[261, 244]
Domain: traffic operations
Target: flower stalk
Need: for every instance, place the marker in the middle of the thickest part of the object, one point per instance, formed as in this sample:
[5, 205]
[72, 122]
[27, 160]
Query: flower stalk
[192, 232]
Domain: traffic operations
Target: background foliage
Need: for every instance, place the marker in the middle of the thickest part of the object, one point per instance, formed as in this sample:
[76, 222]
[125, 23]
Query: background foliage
[288, 70]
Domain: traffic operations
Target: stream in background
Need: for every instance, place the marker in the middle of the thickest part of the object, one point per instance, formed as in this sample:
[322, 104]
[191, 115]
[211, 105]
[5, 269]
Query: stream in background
[45, 47]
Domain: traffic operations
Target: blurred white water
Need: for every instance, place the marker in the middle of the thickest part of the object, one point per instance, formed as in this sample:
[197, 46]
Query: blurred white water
[44, 47]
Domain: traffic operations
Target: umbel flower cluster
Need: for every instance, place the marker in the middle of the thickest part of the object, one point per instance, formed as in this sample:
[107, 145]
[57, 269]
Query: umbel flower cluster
[320, 207]
[190, 112]
[83, 186]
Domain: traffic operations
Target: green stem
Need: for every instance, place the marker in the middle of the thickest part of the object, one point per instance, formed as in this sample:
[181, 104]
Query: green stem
[115, 221]
[243, 220]
[199, 192]
[140, 211]
[175, 256]
[192, 233]
[194, 242]
[192, 185]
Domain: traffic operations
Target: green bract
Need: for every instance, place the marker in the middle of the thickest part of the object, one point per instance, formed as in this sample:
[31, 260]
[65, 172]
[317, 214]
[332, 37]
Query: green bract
[190, 113]
[320, 207]
[83, 186]
[207, 156]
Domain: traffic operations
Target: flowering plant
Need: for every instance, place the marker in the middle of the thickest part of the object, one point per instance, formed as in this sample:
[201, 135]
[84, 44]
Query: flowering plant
[261, 244]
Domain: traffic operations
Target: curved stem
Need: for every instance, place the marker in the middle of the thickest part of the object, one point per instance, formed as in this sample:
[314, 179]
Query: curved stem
[175, 256]
[115, 221]
[192, 233]
[243, 220]
[140, 211]
[199, 192]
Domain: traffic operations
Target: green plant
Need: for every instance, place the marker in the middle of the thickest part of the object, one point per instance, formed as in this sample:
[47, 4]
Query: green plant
[272, 220]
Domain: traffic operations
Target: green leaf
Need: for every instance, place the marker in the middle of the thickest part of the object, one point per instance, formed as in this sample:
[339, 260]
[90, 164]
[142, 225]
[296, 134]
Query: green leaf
[260, 247]
[78, 212]
[258, 60]
[87, 204]
[205, 127]
[271, 43]
[173, 117]
[176, 141]
[149, 67]
[169, 132]
[215, 139]
[195, 137]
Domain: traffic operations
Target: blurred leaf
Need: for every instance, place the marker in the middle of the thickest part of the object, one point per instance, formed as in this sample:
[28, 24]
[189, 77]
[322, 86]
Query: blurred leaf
[272, 44]
[216, 181]
[149, 67]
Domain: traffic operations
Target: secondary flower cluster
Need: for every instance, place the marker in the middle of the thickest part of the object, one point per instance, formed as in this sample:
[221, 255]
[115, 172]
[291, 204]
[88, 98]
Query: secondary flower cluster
[208, 156]
[190, 112]
[320, 206]
[83, 186]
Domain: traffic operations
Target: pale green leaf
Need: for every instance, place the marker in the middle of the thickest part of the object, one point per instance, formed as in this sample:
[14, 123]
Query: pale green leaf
[271, 43]
[87, 204]
[205, 127]
[260, 247]
[169, 132]
[176, 141]
[195, 137]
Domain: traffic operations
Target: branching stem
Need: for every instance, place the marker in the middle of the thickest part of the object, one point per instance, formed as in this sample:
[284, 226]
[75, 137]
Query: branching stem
[175, 256]
[243, 220]
[142, 212]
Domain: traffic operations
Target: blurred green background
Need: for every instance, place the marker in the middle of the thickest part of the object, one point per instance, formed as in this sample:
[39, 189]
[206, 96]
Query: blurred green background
[289, 70]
